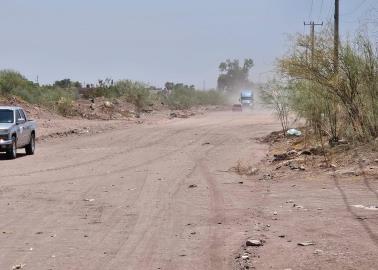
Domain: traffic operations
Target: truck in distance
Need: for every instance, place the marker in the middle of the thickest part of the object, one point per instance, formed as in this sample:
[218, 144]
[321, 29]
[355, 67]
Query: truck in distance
[246, 98]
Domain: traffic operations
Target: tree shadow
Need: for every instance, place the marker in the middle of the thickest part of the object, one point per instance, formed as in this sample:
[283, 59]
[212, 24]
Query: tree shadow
[363, 173]
[361, 220]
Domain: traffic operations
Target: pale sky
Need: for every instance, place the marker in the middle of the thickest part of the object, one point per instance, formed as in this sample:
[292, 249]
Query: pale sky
[156, 41]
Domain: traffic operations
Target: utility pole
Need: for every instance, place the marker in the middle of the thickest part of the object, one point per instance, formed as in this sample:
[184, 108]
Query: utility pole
[203, 85]
[312, 24]
[336, 37]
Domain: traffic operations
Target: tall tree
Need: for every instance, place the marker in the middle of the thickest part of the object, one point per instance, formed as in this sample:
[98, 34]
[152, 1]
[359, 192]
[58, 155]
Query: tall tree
[233, 76]
[67, 83]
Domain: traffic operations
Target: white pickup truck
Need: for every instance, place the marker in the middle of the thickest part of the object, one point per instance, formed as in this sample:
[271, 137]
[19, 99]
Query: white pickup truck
[16, 131]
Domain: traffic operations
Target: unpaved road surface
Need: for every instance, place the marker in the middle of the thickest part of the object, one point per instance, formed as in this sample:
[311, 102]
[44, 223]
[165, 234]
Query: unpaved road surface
[121, 199]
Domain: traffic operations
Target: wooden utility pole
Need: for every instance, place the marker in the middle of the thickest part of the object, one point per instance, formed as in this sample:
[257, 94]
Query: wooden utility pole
[336, 37]
[312, 24]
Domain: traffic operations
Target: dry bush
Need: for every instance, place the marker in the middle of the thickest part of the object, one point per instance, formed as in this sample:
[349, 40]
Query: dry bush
[342, 102]
[276, 94]
[242, 168]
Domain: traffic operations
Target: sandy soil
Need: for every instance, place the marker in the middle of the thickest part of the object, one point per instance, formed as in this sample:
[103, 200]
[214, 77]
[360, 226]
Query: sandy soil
[338, 214]
[51, 125]
[160, 195]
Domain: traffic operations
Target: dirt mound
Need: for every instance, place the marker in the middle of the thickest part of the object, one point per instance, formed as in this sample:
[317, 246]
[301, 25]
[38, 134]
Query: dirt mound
[307, 153]
[101, 108]
[272, 137]
[33, 111]
[93, 109]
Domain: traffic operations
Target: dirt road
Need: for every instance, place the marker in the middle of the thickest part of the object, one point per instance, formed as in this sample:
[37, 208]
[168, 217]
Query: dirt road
[121, 199]
[160, 196]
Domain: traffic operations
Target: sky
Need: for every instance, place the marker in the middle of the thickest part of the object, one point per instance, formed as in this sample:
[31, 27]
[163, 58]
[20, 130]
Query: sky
[155, 41]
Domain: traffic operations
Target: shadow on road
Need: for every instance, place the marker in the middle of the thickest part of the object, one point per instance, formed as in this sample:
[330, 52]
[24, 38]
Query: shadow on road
[361, 220]
[366, 179]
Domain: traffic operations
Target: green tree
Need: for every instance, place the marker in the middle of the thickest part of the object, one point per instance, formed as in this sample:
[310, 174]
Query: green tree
[67, 83]
[233, 76]
[169, 85]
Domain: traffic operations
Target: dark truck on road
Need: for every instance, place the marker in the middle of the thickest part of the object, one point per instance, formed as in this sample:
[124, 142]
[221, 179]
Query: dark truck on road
[16, 131]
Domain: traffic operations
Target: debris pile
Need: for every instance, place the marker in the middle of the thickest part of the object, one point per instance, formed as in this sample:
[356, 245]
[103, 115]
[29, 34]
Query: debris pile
[242, 168]
[181, 114]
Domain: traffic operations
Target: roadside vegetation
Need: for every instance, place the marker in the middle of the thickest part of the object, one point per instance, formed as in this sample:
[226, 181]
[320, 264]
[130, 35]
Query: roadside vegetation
[181, 96]
[55, 98]
[336, 101]
[62, 96]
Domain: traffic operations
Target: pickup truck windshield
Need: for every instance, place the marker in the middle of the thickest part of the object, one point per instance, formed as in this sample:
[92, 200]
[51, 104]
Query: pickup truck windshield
[6, 116]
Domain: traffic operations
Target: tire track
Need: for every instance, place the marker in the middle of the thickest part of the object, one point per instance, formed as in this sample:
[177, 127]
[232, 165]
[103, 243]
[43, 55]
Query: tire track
[143, 221]
[78, 201]
[90, 162]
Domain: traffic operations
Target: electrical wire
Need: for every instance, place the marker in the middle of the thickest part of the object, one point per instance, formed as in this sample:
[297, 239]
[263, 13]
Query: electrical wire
[355, 9]
[331, 10]
[321, 10]
[310, 14]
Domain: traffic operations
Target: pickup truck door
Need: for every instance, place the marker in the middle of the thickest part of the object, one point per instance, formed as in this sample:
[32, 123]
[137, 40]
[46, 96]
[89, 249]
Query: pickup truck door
[27, 127]
[21, 132]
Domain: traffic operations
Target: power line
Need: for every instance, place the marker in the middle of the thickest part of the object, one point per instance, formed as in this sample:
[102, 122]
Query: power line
[312, 5]
[330, 11]
[321, 9]
[355, 9]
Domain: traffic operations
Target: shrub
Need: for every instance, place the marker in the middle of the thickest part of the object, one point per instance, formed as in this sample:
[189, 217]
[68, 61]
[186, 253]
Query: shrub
[276, 94]
[65, 106]
[185, 97]
[46, 96]
[10, 80]
[342, 102]
[134, 92]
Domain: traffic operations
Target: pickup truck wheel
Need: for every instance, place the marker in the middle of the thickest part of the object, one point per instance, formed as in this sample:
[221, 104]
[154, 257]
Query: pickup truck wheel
[30, 148]
[12, 151]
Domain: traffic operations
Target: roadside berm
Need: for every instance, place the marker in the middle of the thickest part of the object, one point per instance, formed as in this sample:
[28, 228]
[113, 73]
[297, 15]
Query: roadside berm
[316, 207]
